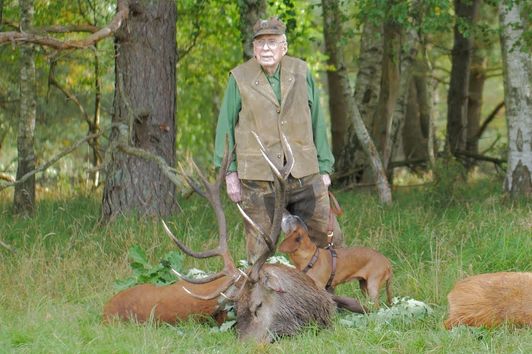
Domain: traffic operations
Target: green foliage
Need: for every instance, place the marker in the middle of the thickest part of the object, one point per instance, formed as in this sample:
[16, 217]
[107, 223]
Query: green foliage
[450, 177]
[144, 272]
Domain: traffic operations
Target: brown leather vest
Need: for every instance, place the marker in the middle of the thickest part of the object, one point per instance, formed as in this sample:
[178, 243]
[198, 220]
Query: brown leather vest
[262, 113]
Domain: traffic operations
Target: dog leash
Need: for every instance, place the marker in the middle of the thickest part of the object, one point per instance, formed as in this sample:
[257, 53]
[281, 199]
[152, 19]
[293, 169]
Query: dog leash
[334, 211]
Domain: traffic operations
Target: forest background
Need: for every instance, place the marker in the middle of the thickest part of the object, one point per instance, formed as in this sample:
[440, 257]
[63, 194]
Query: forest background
[426, 78]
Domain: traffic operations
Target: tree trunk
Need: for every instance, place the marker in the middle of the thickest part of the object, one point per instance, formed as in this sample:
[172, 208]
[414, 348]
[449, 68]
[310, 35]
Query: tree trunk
[466, 10]
[24, 196]
[474, 104]
[517, 67]
[250, 12]
[144, 112]
[94, 127]
[408, 57]
[352, 160]
[344, 90]
[337, 102]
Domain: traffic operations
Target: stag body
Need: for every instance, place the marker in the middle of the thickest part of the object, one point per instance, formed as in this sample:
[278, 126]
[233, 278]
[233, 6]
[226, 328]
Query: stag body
[491, 299]
[169, 303]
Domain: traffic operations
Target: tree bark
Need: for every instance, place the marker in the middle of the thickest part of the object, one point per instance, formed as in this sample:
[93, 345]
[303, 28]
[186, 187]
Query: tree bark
[24, 195]
[474, 103]
[352, 162]
[466, 10]
[250, 12]
[517, 69]
[94, 127]
[408, 57]
[344, 90]
[144, 112]
[337, 102]
[389, 90]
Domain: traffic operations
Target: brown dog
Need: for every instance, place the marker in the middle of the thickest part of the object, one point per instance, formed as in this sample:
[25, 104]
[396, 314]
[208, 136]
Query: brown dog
[371, 268]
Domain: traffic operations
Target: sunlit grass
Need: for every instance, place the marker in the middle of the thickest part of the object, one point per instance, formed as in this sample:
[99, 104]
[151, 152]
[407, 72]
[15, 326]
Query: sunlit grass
[52, 290]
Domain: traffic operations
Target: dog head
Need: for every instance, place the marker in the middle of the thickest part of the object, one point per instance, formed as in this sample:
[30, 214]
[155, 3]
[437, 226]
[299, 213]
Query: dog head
[296, 233]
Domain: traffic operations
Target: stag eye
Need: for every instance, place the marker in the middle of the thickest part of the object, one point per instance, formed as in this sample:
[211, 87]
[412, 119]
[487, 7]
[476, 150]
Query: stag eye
[257, 308]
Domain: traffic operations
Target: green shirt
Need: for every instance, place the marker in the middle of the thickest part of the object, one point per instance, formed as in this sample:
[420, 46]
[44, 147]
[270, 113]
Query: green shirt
[232, 104]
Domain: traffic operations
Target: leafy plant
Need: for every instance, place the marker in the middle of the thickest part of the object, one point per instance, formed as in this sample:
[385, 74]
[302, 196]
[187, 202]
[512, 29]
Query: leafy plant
[144, 272]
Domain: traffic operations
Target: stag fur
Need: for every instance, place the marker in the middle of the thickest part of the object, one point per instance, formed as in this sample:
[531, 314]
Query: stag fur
[280, 303]
[491, 299]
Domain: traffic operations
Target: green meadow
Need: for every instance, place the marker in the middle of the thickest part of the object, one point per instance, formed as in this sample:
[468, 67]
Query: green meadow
[65, 264]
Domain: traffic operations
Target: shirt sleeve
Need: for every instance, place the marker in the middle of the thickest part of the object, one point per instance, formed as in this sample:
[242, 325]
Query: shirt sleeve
[325, 156]
[227, 119]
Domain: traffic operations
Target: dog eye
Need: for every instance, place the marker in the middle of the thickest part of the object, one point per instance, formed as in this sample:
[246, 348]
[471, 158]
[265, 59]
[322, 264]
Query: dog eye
[298, 238]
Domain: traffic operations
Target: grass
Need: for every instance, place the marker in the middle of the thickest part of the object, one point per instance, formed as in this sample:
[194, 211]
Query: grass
[52, 290]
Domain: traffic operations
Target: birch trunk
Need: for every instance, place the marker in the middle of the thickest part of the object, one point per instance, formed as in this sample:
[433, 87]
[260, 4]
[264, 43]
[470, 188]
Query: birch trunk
[144, 112]
[24, 195]
[517, 67]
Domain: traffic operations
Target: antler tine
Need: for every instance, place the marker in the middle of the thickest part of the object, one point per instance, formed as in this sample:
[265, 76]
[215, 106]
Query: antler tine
[188, 251]
[200, 280]
[213, 294]
[257, 227]
[287, 168]
[191, 182]
[266, 154]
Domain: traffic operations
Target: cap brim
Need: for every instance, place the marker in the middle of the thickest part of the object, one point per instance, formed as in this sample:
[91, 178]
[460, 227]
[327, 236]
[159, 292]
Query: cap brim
[268, 31]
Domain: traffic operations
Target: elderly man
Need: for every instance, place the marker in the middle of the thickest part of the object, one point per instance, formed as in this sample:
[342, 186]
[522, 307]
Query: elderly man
[269, 94]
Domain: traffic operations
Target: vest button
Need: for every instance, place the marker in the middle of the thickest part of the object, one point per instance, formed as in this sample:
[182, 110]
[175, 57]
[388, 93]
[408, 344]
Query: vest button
[282, 122]
[256, 82]
[278, 156]
[278, 110]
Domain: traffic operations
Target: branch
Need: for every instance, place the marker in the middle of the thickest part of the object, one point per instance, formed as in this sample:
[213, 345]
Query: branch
[52, 81]
[110, 29]
[143, 154]
[53, 160]
[56, 28]
[479, 157]
[488, 120]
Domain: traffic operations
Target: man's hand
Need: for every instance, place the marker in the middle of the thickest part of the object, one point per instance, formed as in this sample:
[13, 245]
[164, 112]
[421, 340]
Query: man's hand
[326, 180]
[232, 183]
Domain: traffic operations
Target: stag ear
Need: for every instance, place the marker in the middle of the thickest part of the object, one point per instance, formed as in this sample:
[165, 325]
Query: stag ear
[273, 282]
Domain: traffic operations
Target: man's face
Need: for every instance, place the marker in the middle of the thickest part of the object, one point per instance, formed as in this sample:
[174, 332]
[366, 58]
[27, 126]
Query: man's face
[269, 49]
